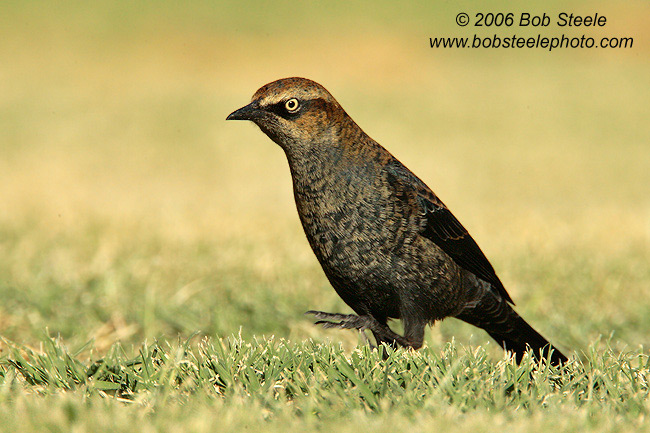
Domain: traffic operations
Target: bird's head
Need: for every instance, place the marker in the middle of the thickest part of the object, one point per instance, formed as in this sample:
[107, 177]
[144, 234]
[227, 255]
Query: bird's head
[293, 112]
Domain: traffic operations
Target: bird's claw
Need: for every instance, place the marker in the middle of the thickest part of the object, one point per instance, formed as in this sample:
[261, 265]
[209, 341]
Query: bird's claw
[344, 321]
[337, 320]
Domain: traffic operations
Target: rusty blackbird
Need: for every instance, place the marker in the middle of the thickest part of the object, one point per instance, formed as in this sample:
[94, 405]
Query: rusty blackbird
[389, 246]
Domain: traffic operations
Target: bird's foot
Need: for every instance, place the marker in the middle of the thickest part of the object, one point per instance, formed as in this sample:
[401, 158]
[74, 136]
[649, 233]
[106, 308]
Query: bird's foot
[382, 333]
[344, 321]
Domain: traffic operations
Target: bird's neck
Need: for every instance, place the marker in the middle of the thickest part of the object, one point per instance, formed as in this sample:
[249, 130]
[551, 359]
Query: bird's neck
[316, 167]
[332, 158]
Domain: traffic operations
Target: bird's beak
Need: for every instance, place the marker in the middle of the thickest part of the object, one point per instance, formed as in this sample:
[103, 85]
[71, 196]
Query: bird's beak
[248, 112]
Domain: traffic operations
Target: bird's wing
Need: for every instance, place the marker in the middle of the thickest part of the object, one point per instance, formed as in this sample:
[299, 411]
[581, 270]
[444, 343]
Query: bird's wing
[441, 226]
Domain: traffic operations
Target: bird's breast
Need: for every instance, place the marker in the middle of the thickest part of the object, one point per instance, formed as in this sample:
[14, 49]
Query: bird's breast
[352, 223]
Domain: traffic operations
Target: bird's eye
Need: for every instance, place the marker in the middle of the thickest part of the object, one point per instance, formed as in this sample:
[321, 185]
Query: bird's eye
[292, 105]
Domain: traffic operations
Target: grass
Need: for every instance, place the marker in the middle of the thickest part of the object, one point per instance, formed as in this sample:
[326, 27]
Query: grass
[252, 384]
[139, 232]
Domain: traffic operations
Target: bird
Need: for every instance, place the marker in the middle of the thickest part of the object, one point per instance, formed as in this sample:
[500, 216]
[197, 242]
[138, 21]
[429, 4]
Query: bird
[388, 245]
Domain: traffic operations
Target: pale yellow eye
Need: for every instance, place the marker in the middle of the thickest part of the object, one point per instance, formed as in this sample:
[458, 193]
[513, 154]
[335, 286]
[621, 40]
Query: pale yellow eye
[292, 105]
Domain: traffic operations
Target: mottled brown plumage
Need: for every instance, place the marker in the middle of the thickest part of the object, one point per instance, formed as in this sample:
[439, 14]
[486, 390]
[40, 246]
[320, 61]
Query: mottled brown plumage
[390, 248]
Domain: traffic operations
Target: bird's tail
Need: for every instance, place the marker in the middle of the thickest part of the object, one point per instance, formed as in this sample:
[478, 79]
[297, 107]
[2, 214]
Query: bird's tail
[513, 333]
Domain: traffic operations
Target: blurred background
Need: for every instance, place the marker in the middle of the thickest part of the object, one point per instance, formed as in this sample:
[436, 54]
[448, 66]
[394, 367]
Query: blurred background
[130, 210]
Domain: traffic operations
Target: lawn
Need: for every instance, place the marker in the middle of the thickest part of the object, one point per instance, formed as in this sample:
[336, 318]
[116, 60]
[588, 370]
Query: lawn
[153, 270]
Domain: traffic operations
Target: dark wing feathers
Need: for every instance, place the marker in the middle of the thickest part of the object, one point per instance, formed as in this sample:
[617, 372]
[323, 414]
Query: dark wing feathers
[442, 227]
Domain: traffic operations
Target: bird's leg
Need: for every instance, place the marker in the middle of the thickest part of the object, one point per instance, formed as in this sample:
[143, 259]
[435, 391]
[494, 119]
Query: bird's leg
[366, 339]
[381, 331]
[414, 330]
